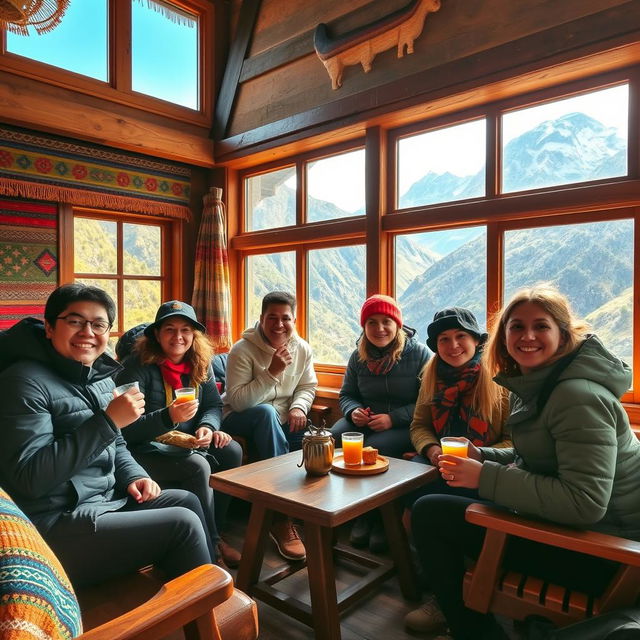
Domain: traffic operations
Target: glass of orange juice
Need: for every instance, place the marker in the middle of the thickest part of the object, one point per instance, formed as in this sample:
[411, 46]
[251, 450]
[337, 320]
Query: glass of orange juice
[454, 447]
[186, 394]
[352, 448]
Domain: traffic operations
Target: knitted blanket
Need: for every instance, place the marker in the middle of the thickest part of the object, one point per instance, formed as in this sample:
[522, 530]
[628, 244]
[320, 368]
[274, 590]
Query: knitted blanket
[37, 601]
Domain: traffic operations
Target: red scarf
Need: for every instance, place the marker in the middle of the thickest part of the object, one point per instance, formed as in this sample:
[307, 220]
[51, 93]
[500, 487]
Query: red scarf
[451, 410]
[172, 373]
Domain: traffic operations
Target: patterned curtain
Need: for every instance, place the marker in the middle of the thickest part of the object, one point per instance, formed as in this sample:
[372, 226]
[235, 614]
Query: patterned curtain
[211, 296]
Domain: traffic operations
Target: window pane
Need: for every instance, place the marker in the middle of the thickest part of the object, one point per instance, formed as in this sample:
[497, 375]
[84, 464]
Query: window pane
[141, 301]
[335, 187]
[141, 251]
[78, 43]
[271, 200]
[566, 141]
[591, 263]
[94, 244]
[441, 269]
[432, 167]
[336, 285]
[110, 286]
[164, 52]
[264, 273]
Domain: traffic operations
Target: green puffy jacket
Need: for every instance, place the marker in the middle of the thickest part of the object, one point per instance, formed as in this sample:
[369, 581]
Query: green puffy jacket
[577, 462]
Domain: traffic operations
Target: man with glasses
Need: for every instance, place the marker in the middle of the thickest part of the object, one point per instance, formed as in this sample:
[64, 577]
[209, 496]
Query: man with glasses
[63, 459]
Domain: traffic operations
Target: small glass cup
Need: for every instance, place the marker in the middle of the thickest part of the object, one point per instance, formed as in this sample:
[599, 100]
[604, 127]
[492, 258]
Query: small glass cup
[124, 388]
[454, 447]
[352, 448]
[186, 394]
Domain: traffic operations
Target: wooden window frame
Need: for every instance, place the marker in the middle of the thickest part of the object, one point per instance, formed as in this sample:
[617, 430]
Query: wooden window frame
[592, 201]
[117, 88]
[170, 240]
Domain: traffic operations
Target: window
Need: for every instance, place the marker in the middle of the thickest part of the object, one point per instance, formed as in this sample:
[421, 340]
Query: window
[124, 258]
[442, 165]
[336, 284]
[271, 200]
[264, 273]
[441, 269]
[150, 54]
[164, 52]
[335, 187]
[78, 43]
[454, 229]
[565, 141]
[591, 263]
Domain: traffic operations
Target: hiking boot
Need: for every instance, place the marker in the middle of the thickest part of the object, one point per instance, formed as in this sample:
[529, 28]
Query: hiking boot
[229, 555]
[360, 530]
[284, 534]
[378, 539]
[428, 618]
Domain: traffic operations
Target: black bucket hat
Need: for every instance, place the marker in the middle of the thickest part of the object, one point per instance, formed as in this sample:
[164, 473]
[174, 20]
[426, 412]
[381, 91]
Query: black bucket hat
[454, 318]
[174, 308]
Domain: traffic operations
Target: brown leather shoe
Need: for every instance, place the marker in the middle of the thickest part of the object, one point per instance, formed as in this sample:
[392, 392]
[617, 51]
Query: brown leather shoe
[284, 534]
[230, 556]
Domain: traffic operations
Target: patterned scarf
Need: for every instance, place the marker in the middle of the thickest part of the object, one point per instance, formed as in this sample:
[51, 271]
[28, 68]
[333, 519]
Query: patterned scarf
[381, 364]
[172, 373]
[451, 410]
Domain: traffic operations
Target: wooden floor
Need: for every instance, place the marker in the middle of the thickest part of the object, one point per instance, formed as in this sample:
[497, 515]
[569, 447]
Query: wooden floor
[377, 617]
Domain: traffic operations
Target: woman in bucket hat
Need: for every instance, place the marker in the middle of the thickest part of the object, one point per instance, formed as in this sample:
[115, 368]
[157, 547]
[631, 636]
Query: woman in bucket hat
[379, 392]
[175, 352]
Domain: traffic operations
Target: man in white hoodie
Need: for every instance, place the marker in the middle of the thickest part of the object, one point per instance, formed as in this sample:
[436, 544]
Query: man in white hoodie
[270, 386]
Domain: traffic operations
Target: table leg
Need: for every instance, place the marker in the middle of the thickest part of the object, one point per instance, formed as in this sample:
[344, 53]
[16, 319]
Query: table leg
[399, 547]
[255, 541]
[318, 542]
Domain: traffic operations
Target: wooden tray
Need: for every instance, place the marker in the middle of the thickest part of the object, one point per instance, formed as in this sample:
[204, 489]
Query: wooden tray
[381, 465]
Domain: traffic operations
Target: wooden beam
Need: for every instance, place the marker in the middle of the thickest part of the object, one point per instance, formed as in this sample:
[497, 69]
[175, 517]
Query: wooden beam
[375, 198]
[239, 48]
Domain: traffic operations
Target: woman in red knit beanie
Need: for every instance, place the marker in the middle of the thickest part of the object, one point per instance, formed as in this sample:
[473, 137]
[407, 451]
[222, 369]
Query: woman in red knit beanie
[379, 393]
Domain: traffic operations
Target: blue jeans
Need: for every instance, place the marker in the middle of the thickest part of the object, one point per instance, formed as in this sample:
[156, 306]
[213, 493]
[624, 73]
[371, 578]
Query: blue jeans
[265, 435]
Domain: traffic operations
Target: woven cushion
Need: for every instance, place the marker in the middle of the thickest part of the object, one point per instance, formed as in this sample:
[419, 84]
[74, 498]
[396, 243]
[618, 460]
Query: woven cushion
[36, 597]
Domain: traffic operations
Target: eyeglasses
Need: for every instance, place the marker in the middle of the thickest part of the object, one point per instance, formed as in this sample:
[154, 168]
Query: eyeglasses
[99, 327]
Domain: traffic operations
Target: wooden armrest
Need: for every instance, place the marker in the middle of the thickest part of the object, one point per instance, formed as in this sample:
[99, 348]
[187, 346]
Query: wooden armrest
[589, 542]
[179, 601]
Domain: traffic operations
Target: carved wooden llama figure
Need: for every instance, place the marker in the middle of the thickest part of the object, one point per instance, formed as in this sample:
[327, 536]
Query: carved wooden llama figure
[361, 45]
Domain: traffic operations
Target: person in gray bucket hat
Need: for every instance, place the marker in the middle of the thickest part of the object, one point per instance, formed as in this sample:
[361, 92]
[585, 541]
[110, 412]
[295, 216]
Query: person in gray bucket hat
[174, 308]
[454, 318]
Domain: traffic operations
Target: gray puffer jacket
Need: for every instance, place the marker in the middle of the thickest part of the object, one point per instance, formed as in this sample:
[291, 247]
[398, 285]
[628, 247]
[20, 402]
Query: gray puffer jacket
[394, 393]
[577, 461]
[60, 452]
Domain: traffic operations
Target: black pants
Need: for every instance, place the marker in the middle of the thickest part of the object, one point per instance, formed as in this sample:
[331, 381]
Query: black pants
[443, 538]
[168, 532]
[191, 472]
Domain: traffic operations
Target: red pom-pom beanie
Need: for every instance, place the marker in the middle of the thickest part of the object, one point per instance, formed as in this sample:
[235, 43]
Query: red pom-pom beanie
[380, 304]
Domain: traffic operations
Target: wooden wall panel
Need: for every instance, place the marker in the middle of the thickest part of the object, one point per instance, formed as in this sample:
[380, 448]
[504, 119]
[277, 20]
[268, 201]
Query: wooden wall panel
[462, 29]
[39, 106]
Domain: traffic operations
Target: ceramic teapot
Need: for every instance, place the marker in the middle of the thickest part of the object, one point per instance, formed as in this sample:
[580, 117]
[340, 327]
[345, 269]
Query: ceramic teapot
[317, 450]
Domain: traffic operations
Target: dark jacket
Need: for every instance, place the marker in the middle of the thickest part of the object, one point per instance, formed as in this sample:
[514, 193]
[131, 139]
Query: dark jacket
[155, 421]
[577, 461]
[394, 393]
[60, 452]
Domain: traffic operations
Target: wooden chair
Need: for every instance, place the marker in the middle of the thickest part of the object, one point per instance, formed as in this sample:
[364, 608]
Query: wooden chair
[490, 588]
[200, 605]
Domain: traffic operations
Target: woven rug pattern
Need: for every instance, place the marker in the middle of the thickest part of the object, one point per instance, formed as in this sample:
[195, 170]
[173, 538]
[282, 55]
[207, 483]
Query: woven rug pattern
[28, 258]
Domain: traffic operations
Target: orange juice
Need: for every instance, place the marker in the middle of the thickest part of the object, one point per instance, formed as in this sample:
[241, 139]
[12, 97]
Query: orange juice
[352, 448]
[454, 447]
[185, 395]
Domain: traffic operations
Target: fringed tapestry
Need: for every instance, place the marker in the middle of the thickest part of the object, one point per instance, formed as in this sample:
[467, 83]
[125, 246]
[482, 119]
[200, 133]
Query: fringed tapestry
[211, 296]
[44, 167]
[28, 258]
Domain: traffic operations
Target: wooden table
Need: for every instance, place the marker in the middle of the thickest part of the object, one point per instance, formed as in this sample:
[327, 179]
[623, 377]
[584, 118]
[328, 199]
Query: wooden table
[322, 503]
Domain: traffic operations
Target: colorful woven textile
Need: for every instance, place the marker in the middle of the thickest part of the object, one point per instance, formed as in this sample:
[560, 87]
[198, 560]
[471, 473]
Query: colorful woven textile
[36, 597]
[45, 167]
[28, 258]
[211, 297]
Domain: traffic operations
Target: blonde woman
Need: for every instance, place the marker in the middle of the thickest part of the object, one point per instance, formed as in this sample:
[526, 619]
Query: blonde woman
[379, 392]
[574, 461]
